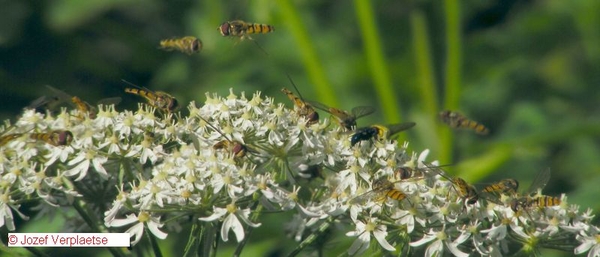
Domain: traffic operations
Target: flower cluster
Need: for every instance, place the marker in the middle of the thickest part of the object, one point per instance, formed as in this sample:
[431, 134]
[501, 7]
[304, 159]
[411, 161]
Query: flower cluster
[233, 158]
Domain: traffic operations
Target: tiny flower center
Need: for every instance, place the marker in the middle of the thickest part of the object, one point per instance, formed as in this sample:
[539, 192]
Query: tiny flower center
[144, 216]
[231, 208]
[370, 226]
[186, 194]
[441, 235]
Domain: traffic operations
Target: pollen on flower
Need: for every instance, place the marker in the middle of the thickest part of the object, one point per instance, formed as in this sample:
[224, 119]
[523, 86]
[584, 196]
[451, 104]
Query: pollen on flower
[231, 208]
[143, 217]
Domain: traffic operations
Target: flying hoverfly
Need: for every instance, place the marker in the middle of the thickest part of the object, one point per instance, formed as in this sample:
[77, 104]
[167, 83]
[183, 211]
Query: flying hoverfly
[303, 108]
[238, 149]
[187, 45]
[381, 189]
[459, 121]
[158, 99]
[60, 96]
[242, 29]
[529, 200]
[378, 131]
[344, 118]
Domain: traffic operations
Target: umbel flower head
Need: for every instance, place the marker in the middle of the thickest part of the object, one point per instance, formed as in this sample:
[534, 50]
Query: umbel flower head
[227, 163]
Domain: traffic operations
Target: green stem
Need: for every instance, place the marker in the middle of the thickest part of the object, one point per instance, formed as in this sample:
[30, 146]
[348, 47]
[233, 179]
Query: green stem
[153, 243]
[249, 229]
[376, 62]
[192, 246]
[453, 72]
[310, 239]
[425, 74]
[310, 57]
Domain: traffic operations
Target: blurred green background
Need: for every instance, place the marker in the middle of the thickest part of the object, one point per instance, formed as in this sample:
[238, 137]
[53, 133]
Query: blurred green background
[529, 70]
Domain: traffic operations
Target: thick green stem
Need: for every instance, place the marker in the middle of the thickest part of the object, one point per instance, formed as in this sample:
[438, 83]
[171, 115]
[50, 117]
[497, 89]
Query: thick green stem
[453, 72]
[376, 62]
[310, 58]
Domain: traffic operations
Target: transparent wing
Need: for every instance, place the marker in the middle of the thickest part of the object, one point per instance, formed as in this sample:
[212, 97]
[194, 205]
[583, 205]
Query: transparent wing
[361, 111]
[60, 94]
[364, 197]
[319, 106]
[395, 128]
[47, 102]
[539, 182]
[110, 100]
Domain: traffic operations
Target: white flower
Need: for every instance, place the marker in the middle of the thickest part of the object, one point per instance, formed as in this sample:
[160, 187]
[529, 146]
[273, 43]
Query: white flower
[231, 221]
[441, 239]
[137, 230]
[364, 231]
[83, 160]
[590, 241]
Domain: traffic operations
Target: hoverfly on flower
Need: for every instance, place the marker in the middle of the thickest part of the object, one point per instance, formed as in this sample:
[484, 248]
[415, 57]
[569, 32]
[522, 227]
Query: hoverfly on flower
[158, 99]
[346, 119]
[303, 108]
[378, 131]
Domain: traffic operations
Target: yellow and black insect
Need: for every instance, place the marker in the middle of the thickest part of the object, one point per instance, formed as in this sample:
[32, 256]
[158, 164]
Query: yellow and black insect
[344, 118]
[505, 186]
[158, 99]
[466, 190]
[378, 131]
[463, 189]
[187, 45]
[381, 188]
[404, 173]
[55, 138]
[242, 29]
[238, 149]
[459, 121]
[532, 197]
[533, 202]
[83, 106]
[303, 108]
[7, 138]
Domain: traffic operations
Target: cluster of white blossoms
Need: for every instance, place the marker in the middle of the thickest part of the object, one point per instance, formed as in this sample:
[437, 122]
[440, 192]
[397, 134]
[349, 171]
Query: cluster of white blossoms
[233, 159]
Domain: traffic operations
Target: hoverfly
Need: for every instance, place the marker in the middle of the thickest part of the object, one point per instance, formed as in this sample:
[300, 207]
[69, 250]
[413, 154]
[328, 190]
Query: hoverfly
[528, 200]
[344, 118]
[303, 108]
[187, 45]
[382, 188]
[242, 29]
[459, 121]
[504, 186]
[7, 138]
[55, 137]
[158, 99]
[405, 173]
[379, 131]
[466, 191]
[463, 189]
[238, 149]
[532, 202]
[83, 106]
